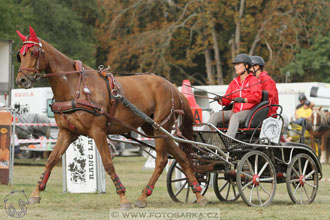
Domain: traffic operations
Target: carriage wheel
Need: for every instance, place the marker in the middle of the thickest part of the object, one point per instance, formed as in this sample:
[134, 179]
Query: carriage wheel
[256, 179]
[302, 179]
[178, 187]
[225, 186]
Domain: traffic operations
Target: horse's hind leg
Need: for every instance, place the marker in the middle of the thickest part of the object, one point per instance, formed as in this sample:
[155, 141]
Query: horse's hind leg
[100, 139]
[65, 138]
[182, 158]
[162, 147]
[161, 161]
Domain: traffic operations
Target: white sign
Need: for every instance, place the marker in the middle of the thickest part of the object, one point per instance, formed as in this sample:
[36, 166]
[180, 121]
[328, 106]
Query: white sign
[271, 129]
[81, 167]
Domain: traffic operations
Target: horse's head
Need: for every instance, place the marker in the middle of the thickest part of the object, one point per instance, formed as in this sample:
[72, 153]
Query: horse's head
[318, 119]
[32, 59]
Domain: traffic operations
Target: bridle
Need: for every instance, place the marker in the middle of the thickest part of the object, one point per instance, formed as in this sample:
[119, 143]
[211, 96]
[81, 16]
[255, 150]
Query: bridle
[37, 52]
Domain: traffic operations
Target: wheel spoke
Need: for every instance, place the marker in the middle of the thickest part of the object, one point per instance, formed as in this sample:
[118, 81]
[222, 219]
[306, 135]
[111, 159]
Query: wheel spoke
[299, 164]
[251, 193]
[294, 169]
[306, 192]
[308, 175]
[248, 175]
[187, 194]
[227, 195]
[294, 180]
[305, 167]
[266, 179]
[258, 195]
[177, 180]
[179, 168]
[295, 191]
[250, 166]
[256, 164]
[263, 168]
[264, 190]
[301, 199]
[311, 185]
[234, 191]
[224, 185]
[180, 189]
[246, 185]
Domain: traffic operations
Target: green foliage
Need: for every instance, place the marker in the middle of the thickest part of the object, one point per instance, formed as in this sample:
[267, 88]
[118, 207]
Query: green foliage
[312, 63]
[67, 25]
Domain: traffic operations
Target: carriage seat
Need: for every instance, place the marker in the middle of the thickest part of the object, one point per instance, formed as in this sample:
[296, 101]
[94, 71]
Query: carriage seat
[256, 115]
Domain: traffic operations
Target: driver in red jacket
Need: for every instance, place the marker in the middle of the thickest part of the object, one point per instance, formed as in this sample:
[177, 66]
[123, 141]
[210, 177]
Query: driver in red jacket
[245, 91]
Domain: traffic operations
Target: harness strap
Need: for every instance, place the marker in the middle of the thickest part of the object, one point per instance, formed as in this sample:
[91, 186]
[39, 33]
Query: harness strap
[172, 114]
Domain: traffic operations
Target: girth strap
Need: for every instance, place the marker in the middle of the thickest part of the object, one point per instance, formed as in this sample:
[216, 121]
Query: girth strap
[74, 105]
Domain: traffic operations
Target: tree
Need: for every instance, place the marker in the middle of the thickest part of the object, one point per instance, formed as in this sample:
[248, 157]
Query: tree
[67, 25]
[313, 63]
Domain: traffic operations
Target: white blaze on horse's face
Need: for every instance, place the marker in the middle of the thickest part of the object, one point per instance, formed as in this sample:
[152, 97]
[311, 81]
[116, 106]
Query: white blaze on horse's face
[316, 121]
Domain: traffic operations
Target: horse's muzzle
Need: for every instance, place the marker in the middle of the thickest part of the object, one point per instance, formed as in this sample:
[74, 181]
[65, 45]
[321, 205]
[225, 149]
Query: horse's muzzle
[24, 82]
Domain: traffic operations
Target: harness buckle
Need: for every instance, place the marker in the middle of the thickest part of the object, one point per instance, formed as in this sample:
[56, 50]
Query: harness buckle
[115, 93]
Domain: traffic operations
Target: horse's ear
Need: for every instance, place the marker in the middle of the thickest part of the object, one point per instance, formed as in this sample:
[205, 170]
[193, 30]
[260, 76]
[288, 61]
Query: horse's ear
[320, 108]
[33, 35]
[23, 38]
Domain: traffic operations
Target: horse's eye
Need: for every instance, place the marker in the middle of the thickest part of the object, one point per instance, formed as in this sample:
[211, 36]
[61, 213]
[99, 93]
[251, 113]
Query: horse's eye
[31, 53]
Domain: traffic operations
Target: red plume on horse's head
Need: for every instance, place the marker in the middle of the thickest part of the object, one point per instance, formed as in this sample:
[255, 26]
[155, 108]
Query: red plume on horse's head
[33, 36]
[21, 35]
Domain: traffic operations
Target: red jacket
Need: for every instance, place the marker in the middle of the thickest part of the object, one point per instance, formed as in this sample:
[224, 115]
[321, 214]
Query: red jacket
[249, 89]
[269, 85]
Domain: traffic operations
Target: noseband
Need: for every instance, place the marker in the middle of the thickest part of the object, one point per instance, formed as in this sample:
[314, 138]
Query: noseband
[37, 51]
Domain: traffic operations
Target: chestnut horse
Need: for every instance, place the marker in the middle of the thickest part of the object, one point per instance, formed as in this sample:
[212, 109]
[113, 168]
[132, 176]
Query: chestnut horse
[151, 94]
[320, 128]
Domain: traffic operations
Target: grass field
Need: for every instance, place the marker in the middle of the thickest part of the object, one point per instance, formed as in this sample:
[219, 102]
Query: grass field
[58, 205]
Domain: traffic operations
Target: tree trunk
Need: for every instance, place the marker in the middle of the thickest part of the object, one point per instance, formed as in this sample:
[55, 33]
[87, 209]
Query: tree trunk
[208, 64]
[217, 57]
[237, 38]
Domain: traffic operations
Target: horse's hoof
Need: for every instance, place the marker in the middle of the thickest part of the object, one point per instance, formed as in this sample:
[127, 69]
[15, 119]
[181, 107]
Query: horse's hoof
[34, 200]
[141, 203]
[125, 206]
[203, 202]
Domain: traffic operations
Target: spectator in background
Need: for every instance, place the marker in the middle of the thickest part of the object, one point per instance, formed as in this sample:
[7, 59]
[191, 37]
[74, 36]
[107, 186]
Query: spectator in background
[303, 113]
[302, 98]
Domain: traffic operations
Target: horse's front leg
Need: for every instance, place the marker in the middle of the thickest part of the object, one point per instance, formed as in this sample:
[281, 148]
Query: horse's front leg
[65, 138]
[100, 139]
[324, 156]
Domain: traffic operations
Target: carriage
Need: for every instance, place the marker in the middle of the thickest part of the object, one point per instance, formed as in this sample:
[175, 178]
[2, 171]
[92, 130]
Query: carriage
[252, 165]
[248, 166]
